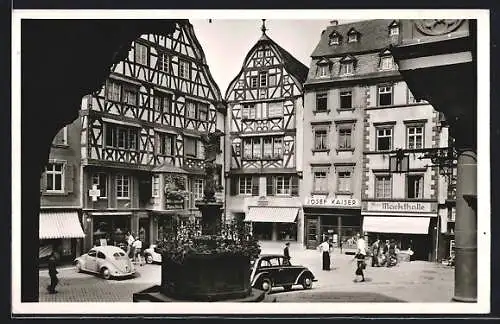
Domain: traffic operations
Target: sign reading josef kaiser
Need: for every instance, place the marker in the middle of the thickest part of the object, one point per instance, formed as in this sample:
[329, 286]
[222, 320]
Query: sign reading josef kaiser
[399, 206]
[331, 202]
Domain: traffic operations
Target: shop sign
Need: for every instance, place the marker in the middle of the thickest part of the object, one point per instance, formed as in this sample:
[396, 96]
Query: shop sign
[399, 206]
[262, 201]
[322, 201]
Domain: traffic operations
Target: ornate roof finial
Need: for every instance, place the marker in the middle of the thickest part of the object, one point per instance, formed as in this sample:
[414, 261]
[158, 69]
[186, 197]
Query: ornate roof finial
[263, 28]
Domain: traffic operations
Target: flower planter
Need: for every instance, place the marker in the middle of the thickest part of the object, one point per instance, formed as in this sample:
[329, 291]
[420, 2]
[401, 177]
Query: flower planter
[206, 277]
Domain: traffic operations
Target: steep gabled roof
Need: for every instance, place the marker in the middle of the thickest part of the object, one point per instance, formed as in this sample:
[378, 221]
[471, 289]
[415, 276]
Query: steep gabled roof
[374, 36]
[292, 65]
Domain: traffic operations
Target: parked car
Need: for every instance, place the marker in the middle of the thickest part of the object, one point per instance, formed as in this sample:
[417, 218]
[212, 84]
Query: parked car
[107, 261]
[151, 255]
[268, 271]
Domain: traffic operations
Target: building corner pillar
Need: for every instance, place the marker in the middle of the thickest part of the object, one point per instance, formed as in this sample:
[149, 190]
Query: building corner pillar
[466, 228]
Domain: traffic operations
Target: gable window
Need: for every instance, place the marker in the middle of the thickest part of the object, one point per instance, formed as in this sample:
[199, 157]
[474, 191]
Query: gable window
[190, 146]
[345, 140]
[283, 185]
[353, 37]
[320, 139]
[272, 80]
[321, 101]
[414, 186]
[61, 137]
[166, 146]
[122, 187]
[113, 90]
[263, 79]
[161, 103]
[320, 180]
[54, 173]
[383, 186]
[245, 185]
[254, 81]
[155, 186]
[344, 181]
[394, 30]
[130, 96]
[141, 54]
[346, 68]
[415, 136]
[191, 109]
[163, 62]
[121, 137]
[184, 69]
[345, 99]
[323, 70]
[198, 189]
[385, 95]
[384, 138]
[275, 109]
[334, 40]
[386, 63]
[101, 181]
[257, 149]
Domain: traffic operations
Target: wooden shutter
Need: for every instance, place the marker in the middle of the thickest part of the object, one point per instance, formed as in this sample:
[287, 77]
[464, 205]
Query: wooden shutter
[68, 177]
[233, 186]
[255, 186]
[295, 186]
[270, 185]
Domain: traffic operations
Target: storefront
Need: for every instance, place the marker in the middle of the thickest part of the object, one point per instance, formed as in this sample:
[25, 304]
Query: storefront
[338, 219]
[107, 228]
[273, 223]
[410, 224]
[61, 229]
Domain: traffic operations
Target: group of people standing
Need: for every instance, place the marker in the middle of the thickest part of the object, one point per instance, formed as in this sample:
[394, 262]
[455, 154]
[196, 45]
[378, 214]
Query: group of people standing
[384, 253]
[134, 248]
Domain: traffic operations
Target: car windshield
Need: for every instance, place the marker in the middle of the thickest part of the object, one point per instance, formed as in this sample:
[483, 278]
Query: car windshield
[119, 255]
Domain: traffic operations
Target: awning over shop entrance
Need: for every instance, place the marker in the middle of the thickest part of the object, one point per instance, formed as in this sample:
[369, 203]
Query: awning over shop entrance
[396, 224]
[54, 225]
[272, 215]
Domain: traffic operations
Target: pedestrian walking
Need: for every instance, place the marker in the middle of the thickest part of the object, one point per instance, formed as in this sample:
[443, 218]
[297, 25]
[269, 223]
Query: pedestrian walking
[360, 257]
[52, 263]
[325, 252]
[137, 245]
[286, 254]
[375, 253]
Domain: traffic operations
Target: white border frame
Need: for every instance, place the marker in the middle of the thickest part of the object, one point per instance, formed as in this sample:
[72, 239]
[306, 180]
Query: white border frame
[483, 185]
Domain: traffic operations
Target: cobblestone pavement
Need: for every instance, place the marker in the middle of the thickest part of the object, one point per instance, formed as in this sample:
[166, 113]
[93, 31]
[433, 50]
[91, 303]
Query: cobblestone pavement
[407, 282]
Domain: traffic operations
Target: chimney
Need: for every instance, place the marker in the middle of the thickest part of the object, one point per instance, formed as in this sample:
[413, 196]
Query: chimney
[334, 22]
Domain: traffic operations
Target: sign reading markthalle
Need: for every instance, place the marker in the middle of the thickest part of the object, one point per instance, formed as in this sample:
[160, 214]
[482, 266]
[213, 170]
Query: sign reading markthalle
[399, 206]
[321, 201]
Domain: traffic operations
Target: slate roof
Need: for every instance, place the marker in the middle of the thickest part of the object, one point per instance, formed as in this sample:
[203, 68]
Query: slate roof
[373, 35]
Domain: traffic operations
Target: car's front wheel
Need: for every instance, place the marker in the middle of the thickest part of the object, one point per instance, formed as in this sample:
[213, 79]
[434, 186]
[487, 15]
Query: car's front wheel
[266, 285]
[149, 258]
[307, 282]
[106, 274]
[78, 266]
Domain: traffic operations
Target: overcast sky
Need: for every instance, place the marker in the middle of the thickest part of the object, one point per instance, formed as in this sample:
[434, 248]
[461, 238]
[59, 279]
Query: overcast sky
[227, 42]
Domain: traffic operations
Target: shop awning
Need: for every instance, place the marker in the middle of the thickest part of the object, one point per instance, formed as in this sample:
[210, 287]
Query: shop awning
[54, 225]
[272, 215]
[396, 224]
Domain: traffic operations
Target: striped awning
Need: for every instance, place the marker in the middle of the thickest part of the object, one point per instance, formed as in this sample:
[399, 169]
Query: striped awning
[55, 225]
[396, 224]
[272, 215]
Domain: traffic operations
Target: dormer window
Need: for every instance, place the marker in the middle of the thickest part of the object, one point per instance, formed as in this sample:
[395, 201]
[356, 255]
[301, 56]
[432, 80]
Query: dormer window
[352, 36]
[322, 71]
[386, 63]
[335, 38]
[347, 65]
[394, 28]
[323, 68]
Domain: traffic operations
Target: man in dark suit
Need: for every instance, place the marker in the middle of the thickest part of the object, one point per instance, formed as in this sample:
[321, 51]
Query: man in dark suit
[286, 254]
[52, 262]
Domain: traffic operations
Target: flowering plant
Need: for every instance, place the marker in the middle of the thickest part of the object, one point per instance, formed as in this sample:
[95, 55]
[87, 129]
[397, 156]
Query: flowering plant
[187, 240]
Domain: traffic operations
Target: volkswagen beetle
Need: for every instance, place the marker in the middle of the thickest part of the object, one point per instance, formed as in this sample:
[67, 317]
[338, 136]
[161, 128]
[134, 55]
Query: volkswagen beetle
[269, 271]
[107, 261]
[151, 255]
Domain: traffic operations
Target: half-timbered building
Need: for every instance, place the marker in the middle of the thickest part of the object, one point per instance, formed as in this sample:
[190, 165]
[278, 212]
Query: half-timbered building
[264, 146]
[143, 159]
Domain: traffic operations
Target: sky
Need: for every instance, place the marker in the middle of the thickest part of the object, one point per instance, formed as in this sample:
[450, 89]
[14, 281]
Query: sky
[227, 42]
